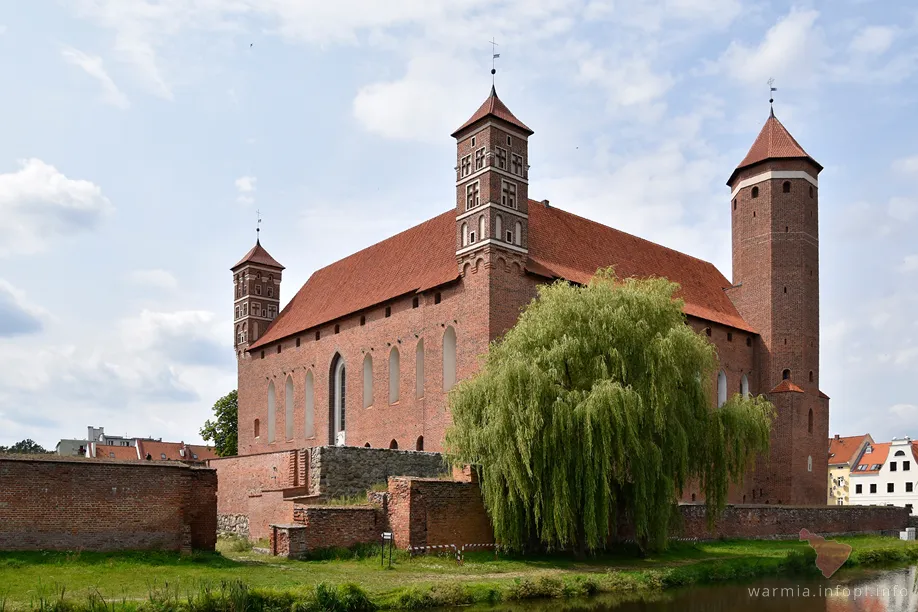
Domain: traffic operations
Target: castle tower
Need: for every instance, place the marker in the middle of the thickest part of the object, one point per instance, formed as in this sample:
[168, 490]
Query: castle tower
[492, 196]
[256, 296]
[774, 208]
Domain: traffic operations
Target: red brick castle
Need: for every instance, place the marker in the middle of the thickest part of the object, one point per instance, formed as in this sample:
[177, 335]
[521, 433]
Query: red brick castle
[366, 351]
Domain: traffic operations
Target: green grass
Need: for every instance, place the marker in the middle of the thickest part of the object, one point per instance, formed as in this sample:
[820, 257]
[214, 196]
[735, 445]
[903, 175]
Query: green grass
[39, 579]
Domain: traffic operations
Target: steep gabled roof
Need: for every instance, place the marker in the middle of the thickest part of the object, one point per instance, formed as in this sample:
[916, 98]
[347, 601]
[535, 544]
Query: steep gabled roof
[259, 255]
[561, 245]
[845, 450]
[773, 142]
[786, 386]
[495, 108]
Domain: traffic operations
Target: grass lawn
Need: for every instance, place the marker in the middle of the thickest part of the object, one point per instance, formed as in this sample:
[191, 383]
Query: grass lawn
[27, 579]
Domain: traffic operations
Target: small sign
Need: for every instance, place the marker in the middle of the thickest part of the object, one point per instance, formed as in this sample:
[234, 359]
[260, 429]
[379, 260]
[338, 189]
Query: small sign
[387, 535]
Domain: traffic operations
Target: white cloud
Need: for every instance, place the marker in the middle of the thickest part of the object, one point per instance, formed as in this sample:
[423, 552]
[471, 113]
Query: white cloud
[156, 278]
[907, 165]
[93, 66]
[17, 315]
[906, 412]
[902, 209]
[873, 40]
[792, 50]
[909, 264]
[626, 81]
[190, 336]
[39, 204]
[245, 188]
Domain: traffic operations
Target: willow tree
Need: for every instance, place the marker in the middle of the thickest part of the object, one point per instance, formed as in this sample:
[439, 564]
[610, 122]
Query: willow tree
[597, 407]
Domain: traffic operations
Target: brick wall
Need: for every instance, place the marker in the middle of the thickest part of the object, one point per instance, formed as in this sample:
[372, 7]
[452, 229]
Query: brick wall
[70, 504]
[343, 471]
[241, 477]
[426, 512]
[338, 526]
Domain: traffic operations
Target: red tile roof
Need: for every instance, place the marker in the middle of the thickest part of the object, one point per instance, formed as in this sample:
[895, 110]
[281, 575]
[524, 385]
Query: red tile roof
[786, 386]
[561, 245]
[773, 142]
[823, 395]
[877, 457]
[259, 255]
[171, 451]
[116, 452]
[495, 108]
[844, 450]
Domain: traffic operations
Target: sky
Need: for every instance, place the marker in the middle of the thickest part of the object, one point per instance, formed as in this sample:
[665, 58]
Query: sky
[140, 137]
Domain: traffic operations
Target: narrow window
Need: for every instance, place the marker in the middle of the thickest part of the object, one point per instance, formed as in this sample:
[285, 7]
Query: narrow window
[419, 369]
[471, 237]
[785, 375]
[337, 328]
[337, 402]
[721, 388]
[908, 487]
[707, 331]
[297, 343]
[436, 298]
[388, 311]
[256, 428]
[518, 235]
[367, 381]
[471, 196]
[257, 289]
[394, 375]
[270, 291]
[516, 163]
[479, 159]
[508, 194]
[272, 414]
[393, 445]
[749, 341]
[481, 227]
[288, 405]
[363, 320]
[858, 489]
[729, 336]
[318, 335]
[785, 290]
[415, 302]
[509, 142]
[873, 488]
[262, 354]
[465, 234]
[310, 405]
[809, 463]
[786, 187]
[892, 466]
[734, 203]
[419, 445]
[501, 159]
[906, 466]
[809, 422]
[509, 236]
[279, 348]
[449, 358]
[744, 386]
[473, 141]
[245, 309]
[498, 226]
[466, 165]
[890, 487]
[811, 375]
[755, 193]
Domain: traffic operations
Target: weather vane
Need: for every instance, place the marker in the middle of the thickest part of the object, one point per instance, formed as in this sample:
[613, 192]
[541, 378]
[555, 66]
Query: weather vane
[257, 225]
[494, 56]
[771, 94]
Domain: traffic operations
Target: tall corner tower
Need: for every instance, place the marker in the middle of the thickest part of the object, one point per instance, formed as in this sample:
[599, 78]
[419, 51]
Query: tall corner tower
[492, 201]
[775, 219]
[256, 296]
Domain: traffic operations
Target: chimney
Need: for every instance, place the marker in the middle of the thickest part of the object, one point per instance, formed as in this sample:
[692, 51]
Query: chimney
[837, 436]
[545, 204]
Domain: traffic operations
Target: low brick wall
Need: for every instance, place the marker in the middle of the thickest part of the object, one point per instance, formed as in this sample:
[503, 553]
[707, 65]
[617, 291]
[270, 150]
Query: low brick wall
[338, 526]
[428, 512]
[753, 521]
[65, 503]
[344, 471]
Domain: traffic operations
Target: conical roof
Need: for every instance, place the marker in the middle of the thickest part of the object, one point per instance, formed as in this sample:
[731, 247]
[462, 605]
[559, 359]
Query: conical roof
[259, 255]
[493, 107]
[773, 142]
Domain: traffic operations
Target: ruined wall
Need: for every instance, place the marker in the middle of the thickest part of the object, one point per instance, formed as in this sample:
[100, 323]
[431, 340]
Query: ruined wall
[426, 512]
[338, 471]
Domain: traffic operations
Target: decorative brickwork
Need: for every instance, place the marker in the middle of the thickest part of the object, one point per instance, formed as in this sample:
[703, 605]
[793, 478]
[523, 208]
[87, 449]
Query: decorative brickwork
[100, 505]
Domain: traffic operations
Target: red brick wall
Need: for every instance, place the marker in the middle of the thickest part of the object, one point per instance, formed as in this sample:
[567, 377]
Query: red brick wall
[82, 504]
[339, 526]
[265, 509]
[424, 512]
[241, 477]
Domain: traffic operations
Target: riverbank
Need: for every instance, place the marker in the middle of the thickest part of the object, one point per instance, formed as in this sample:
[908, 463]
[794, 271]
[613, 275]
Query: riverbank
[239, 579]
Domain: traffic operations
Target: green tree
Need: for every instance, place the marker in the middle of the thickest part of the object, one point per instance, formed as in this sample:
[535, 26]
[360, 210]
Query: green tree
[25, 447]
[223, 431]
[596, 407]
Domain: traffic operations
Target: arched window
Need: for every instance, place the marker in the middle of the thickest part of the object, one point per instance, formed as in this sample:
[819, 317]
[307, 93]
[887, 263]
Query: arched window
[419, 445]
[744, 386]
[899, 454]
[518, 234]
[367, 381]
[786, 187]
[367, 445]
[393, 444]
[272, 412]
[465, 234]
[809, 422]
[256, 428]
[394, 375]
[498, 227]
[755, 192]
[809, 463]
[337, 402]
[449, 358]
[288, 404]
[481, 227]
[310, 405]
[721, 388]
[419, 369]
[785, 375]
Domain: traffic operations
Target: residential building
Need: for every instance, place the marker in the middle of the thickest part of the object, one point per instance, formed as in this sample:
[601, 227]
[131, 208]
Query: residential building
[886, 475]
[844, 453]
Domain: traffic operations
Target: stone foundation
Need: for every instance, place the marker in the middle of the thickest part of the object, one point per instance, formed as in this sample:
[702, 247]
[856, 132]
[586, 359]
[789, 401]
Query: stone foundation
[233, 525]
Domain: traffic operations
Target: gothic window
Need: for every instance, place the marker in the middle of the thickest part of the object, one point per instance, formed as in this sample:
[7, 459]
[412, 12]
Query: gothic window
[367, 381]
[465, 234]
[755, 192]
[419, 445]
[501, 158]
[393, 445]
[481, 227]
[744, 386]
[518, 235]
[465, 166]
[809, 423]
[288, 407]
[508, 194]
[471, 196]
[310, 405]
[256, 428]
[498, 226]
[337, 393]
[721, 388]
[419, 369]
[516, 164]
[272, 414]
[449, 358]
[394, 374]
[786, 187]
[479, 159]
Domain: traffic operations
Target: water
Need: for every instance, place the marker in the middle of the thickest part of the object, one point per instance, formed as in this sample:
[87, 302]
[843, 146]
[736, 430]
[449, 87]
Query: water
[864, 591]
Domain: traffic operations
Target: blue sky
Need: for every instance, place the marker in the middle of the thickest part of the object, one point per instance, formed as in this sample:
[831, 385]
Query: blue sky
[140, 136]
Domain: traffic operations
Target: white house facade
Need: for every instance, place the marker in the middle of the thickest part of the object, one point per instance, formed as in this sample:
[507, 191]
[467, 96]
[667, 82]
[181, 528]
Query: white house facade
[886, 475]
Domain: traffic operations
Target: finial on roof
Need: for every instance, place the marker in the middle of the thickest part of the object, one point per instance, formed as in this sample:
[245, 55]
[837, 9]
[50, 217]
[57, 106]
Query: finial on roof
[771, 99]
[494, 56]
[258, 227]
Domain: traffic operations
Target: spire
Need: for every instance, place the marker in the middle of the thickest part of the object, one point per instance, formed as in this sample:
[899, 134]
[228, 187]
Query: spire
[773, 142]
[493, 107]
[259, 255]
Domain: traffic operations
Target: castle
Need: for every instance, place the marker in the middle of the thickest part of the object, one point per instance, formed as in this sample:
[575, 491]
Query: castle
[367, 350]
